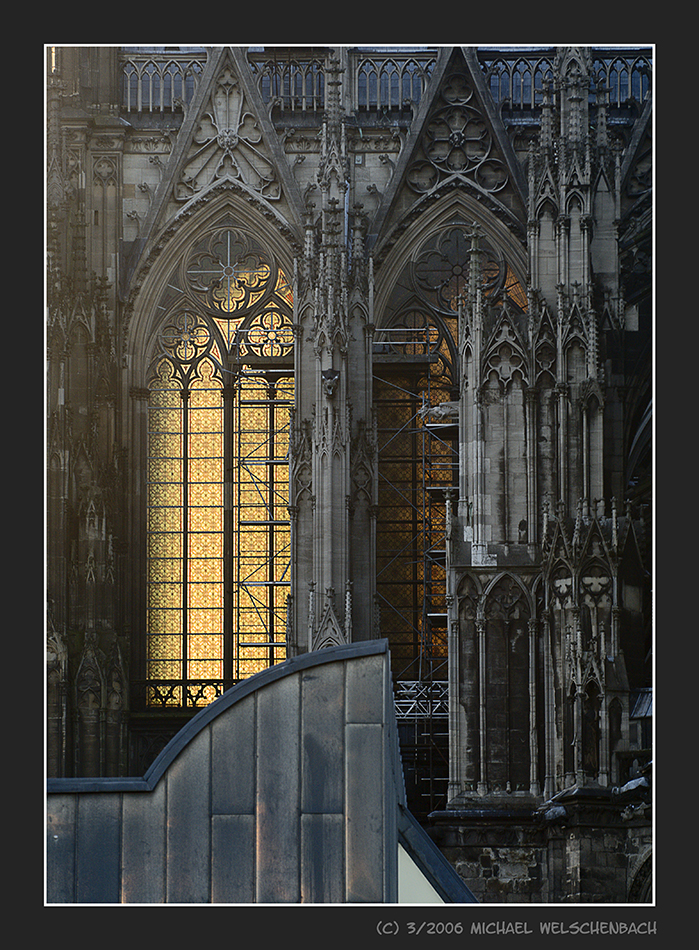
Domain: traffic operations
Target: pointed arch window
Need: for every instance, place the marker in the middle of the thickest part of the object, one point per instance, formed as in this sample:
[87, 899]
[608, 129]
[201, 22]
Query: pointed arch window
[220, 391]
[416, 390]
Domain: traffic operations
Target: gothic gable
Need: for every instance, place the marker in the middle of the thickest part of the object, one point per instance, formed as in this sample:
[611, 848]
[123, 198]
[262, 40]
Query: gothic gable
[547, 193]
[228, 141]
[457, 141]
[329, 632]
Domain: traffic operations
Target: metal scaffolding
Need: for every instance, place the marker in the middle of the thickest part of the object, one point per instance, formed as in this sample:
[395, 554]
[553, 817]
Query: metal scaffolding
[418, 462]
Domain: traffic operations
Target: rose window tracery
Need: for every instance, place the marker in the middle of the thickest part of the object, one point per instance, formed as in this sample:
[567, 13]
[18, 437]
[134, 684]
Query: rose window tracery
[229, 294]
[185, 337]
[458, 142]
[270, 334]
[457, 138]
[230, 272]
[441, 271]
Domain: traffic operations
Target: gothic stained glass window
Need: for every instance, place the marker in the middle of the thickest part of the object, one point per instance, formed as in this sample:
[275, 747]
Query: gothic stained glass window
[221, 391]
[417, 463]
[261, 538]
[416, 371]
[416, 391]
[185, 530]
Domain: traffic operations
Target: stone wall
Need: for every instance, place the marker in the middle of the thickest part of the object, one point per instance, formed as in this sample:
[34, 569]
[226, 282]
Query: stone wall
[502, 859]
[593, 845]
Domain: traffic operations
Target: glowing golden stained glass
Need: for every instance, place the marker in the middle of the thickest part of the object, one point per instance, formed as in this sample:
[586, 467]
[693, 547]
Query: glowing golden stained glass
[228, 269]
[185, 525]
[198, 546]
[515, 291]
[267, 334]
[260, 498]
[164, 598]
[270, 334]
[284, 289]
[242, 284]
[186, 336]
[205, 527]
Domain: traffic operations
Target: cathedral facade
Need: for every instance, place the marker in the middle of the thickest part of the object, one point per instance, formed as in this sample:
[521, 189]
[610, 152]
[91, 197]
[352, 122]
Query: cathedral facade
[354, 343]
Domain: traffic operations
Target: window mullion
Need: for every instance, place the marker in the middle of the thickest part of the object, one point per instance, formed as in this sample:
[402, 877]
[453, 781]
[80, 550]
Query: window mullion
[229, 508]
[185, 541]
[271, 476]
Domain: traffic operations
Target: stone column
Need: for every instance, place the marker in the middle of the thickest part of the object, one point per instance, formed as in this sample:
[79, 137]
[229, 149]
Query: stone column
[531, 434]
[549, 711]
[482, 678]
[533, 703]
